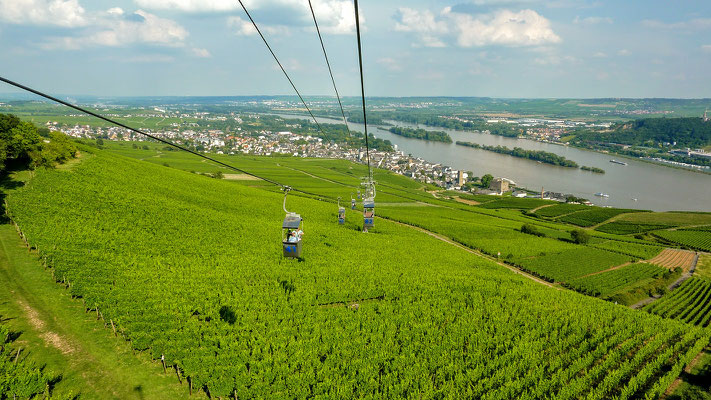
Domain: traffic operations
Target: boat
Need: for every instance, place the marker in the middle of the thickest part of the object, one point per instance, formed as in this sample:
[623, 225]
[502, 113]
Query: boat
[618, 162]
[602, 194]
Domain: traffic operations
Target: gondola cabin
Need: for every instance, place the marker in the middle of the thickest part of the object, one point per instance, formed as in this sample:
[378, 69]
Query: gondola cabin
[291, 235]
[353, 204]
[341, 215]
[368, 212]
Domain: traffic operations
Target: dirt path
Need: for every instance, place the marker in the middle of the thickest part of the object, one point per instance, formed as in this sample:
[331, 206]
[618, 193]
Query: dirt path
[476, 253]
[543, 206]
[690, 367]
[606, 270]
[465, 201]
[686, 275]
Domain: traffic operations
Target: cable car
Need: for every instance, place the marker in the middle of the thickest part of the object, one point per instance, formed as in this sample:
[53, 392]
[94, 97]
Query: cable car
[341, 213]
[291, 231]
[368, 213]
[359, 195]
[353, 203]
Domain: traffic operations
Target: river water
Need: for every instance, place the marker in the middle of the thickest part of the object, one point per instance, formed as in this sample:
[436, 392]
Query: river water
[655, 187]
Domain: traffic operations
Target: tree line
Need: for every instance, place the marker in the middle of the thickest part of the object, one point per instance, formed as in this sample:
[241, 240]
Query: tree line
[24, 145]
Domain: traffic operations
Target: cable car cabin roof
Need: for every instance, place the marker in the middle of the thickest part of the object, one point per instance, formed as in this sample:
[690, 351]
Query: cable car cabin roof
[291, 221]
[341, 209]
[369, 203]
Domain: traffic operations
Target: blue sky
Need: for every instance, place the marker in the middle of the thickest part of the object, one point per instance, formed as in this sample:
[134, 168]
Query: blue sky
[496, 48]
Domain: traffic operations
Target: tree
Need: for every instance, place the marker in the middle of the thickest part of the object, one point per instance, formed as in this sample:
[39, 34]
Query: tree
[580, 236]
[218, 175]
[99, 142]
[531, 230]
[486, 180]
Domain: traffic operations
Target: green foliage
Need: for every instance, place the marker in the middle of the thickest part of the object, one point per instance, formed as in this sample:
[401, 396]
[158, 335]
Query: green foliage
[560, 209]
[531, 230]
[644, 251]
[593, 169]
[161, 252]
[626, 228]
[686, 132]
[536, 155]
[486, 180]
[570, 264]
[699, 240]
[517, 203]
[423, 134]
[593, 216]
[612, 281]
[22, 144]
[690, 302]
[18, 378]
[580, 236]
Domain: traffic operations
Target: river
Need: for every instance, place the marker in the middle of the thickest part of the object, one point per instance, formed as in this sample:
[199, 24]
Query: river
[655, 187]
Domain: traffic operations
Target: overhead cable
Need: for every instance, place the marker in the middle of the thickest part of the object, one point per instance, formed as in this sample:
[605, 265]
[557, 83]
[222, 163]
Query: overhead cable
[338, 97]
[254, 24]
[169, 143]
[362, 88]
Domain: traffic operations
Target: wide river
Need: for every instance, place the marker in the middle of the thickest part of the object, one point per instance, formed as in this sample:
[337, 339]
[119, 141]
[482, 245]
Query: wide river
[655, 187]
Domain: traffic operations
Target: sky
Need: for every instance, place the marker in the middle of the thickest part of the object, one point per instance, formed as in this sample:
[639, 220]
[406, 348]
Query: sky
[491, 48]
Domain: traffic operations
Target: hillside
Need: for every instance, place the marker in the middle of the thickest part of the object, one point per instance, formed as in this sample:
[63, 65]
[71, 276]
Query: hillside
[190, 267]
[654, 132]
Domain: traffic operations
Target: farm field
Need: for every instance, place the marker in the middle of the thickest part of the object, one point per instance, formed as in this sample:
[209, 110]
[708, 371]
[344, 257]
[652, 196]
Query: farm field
[671, 258]
[560, 209]
[593, 216]
[699, 240]
[690, 303]
[626, 227]
[668, 218]
[609, 282]
[390, 314]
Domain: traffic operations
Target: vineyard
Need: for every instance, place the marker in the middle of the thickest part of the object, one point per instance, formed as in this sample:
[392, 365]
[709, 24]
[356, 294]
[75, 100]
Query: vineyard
[560, 209]
[626, 228]
[571, 264]
[189, 267]
[517, 203]
[612, 281]
[18, 378]
[690, 302]
[639, 250]
[699, 240]
[594, 216]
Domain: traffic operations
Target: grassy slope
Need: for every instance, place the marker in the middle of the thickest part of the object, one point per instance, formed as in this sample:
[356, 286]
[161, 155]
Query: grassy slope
[369, 263]
[69, 342]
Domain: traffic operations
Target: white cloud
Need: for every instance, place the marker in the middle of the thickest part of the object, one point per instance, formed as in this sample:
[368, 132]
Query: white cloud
[554, 59]
[503, 27]
[593, 20]
[65, 13]
[623, 52]
[190, 5]
[390, 64]
[118, 30]
[200, 53]
[245, 28]
[600, 54]
[334, 16]
[706, 48]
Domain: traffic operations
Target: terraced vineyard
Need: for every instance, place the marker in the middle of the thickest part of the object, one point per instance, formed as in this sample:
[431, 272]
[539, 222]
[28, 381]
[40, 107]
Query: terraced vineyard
[639, 250]
[560, 209]
[609, 282]
[626, 228]
[517, 203]
[190, 267]
[690, 302]
[570, 264]
[700, 240]
[594, 216]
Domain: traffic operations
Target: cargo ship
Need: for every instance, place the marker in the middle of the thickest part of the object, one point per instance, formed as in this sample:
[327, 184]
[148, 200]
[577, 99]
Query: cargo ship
[618, 162]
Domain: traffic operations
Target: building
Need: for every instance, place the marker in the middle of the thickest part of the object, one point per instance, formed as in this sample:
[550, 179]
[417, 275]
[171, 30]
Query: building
[501, 185]
[461, 180]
